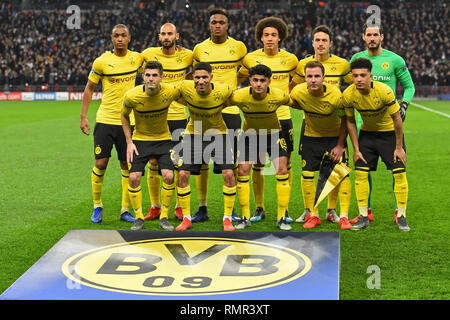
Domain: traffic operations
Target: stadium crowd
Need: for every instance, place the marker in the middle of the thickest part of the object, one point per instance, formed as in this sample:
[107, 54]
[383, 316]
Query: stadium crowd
[37, 48]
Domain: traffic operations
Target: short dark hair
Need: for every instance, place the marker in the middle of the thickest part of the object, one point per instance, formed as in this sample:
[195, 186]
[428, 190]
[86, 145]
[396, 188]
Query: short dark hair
[361, 63]
[218, 11]
[261, 70]
[371, 25]
[323, 28]
[120, 25]
[154, 65]
[314, 64]
[203, 66]
[272, 22]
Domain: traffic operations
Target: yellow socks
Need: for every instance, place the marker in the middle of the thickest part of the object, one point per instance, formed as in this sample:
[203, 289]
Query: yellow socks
[136, 201]
[345, 194]
[243, 193]
[229, 196]
[400, 191]
[202, 185]
[332, 198]
[97, 185]
[283, 194]
[258, 186]
[362, 189]
[309, 191]
[184, 200]
[154, 184]
[167, 192]
[125, 195]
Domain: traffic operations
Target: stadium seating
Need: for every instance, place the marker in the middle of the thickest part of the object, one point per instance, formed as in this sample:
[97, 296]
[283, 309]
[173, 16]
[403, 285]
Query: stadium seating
[38, 51]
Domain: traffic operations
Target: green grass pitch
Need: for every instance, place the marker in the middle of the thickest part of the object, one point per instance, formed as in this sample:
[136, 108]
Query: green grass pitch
[45, 192]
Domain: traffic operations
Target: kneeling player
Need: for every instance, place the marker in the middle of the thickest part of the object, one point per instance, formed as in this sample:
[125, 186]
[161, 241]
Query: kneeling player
[151, 139]
[261, 135]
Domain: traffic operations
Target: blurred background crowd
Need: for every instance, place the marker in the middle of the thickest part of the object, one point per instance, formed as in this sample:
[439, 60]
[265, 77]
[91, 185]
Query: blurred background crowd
[39, 52]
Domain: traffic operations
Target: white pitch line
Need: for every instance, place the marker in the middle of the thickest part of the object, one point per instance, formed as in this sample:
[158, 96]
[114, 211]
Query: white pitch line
[431, 110]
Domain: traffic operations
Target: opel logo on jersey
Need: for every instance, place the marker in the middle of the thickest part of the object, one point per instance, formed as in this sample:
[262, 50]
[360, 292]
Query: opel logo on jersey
[187, 266]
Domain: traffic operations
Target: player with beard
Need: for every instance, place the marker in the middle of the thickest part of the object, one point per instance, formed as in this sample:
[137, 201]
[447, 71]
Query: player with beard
[389, 68]
[176, 62]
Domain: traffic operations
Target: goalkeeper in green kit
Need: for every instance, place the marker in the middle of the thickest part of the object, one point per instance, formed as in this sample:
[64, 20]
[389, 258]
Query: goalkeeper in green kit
[387, 67]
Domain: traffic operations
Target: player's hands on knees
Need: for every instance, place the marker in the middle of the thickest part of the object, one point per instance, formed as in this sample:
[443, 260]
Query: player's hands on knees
[336, 153]
[131, 150]
[400, 155]
[358, 156]
[84, 126]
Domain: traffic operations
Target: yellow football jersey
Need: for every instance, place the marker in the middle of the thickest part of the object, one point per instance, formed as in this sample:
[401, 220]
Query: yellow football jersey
[150, 111]
[375, 108]
[321, 113]
[336, 68]
[205, 111]
[225, 58]
[118, 74]
[282, 65]
[260, 114]
[175, 68]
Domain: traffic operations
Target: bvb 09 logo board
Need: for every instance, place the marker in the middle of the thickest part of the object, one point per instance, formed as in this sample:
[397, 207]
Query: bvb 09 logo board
[186, 266]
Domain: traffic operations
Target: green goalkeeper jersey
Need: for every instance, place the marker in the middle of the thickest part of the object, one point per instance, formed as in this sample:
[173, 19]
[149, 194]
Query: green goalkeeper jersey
[388, 67]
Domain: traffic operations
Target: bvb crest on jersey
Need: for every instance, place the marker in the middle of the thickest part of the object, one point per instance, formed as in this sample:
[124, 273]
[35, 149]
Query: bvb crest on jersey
[330, 175]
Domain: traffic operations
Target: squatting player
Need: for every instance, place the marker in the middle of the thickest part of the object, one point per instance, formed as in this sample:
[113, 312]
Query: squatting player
[261, 134]
[381, 135]
[388, 68]
[117, 71]
[271, 32]
[151, 138]
[176, 62]
[325, 131]
[225, 55]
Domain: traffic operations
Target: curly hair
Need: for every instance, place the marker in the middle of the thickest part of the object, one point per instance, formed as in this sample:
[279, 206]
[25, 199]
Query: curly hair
[273, 22]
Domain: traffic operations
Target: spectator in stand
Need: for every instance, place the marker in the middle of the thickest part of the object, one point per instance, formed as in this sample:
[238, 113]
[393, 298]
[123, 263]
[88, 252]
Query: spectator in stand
[36, 36]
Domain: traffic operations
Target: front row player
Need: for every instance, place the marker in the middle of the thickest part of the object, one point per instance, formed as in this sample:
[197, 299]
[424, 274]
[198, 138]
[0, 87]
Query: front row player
[261, 134]
[151, 138]
[325, 131]
[381, 135]
[205, 138]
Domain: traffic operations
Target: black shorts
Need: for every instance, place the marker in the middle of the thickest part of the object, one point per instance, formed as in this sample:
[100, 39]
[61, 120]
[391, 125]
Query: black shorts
[159, 150]
[105, 137]
[196, 150]
[315, 147]
[176, 128]
[373, 145]
[234, 125]
[252, 148]
[287, 130]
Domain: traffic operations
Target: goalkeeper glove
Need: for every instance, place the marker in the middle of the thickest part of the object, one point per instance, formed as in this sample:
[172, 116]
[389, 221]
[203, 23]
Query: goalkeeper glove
[403, 107]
